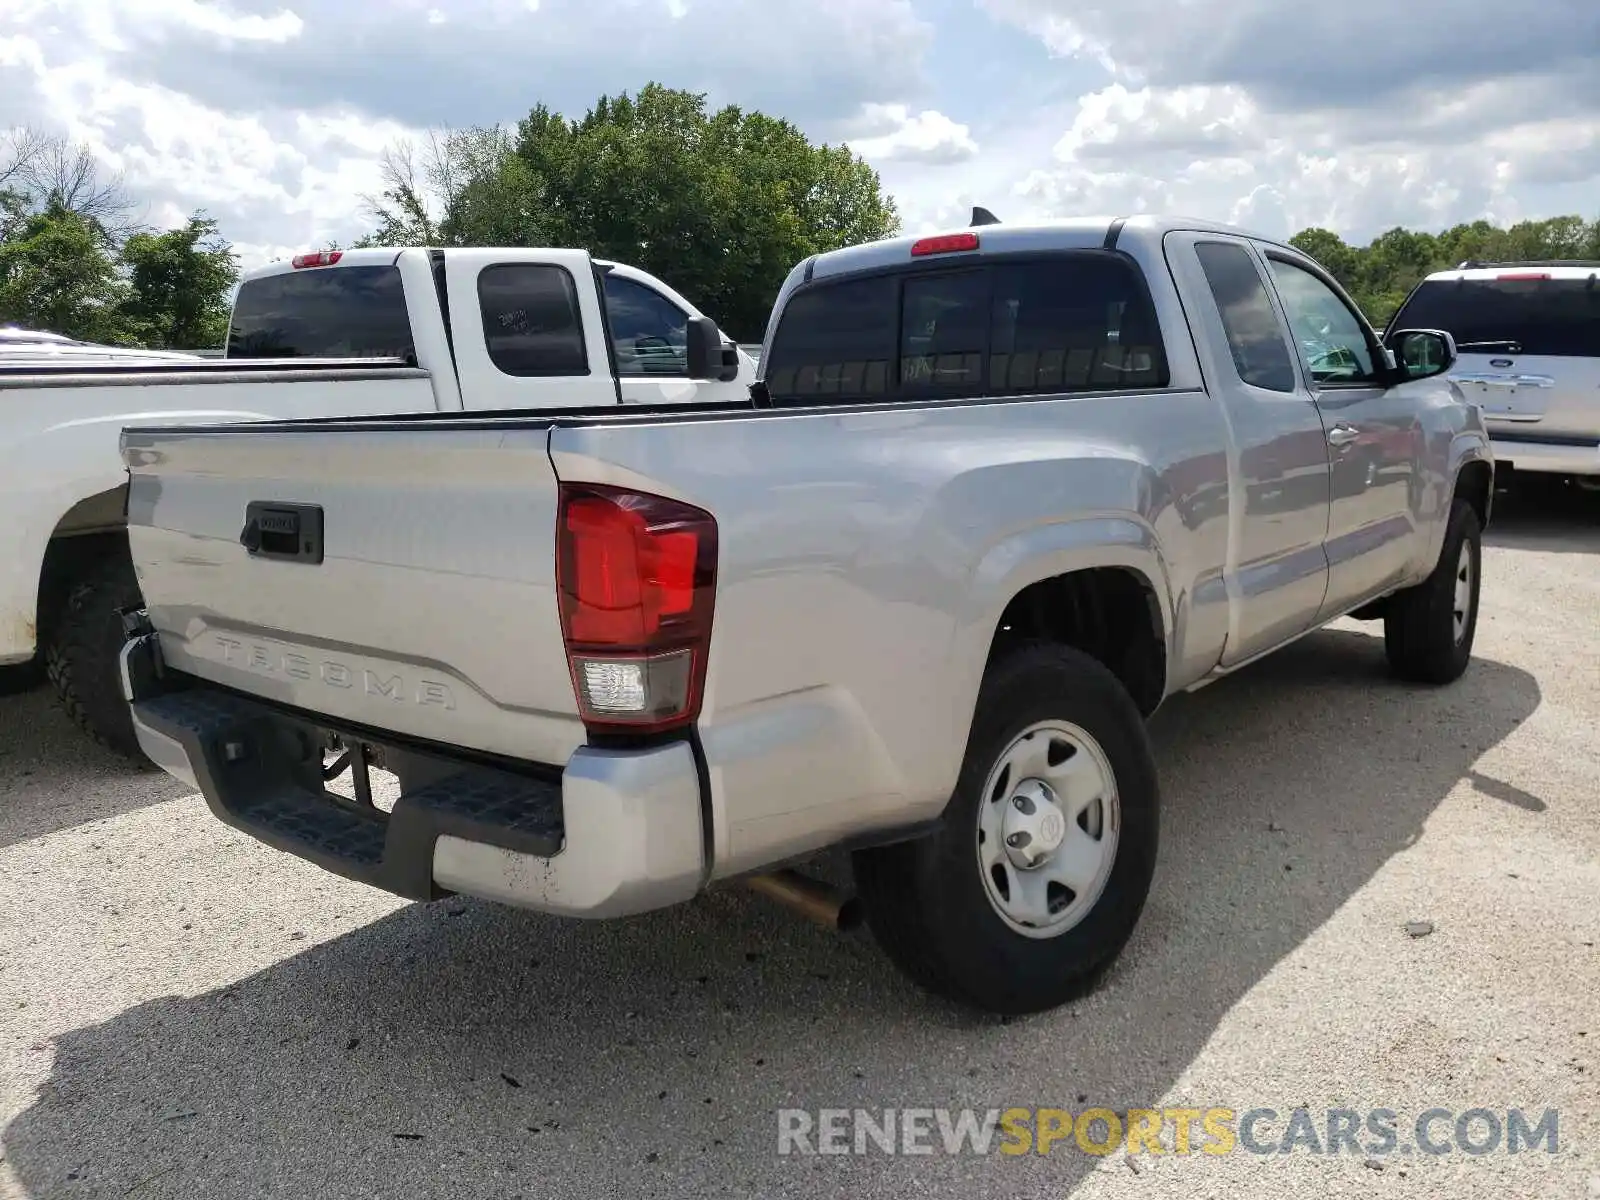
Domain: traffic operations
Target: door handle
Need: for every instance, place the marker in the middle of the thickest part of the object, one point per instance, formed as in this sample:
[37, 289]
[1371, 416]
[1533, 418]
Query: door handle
[1343, 435]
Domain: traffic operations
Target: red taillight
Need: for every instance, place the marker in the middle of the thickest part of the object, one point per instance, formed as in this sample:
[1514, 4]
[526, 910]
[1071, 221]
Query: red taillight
[945, 244]
[637, 577]
[1525, 275]
[322, 258]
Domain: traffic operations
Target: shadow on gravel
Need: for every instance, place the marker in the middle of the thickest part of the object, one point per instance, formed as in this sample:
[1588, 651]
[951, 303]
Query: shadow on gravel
[464, 1050]
[53, 777]
[1547, 517]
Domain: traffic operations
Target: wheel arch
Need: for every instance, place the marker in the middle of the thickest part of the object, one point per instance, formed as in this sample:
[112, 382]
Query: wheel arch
[1100, 584]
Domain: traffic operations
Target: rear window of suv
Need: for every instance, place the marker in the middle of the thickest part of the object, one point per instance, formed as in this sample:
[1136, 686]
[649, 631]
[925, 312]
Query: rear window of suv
[1559, 317]
[328, 312]
[1078, 321]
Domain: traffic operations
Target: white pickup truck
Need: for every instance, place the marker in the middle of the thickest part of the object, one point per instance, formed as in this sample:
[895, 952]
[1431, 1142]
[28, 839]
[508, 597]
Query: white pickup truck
[997, 495]
[331, 333]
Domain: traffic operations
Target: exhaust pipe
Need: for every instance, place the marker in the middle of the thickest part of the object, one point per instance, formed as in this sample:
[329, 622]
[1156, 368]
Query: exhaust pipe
[823, 903]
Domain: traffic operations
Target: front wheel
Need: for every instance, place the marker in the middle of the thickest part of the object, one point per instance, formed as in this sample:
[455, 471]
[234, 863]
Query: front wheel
[1039, 873]
[1428, 629]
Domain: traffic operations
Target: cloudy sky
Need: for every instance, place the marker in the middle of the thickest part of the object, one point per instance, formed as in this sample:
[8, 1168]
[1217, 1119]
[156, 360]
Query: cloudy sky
[1355, 114]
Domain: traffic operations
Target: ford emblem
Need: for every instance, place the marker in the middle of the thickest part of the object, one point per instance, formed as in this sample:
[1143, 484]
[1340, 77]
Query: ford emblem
[1499, 362]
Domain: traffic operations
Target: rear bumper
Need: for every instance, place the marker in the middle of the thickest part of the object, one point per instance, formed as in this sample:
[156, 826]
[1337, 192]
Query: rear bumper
[1525, 455]
[617, 833]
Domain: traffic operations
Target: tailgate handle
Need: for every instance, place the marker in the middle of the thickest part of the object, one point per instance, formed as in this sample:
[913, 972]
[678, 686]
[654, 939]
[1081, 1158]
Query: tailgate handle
[291, 532]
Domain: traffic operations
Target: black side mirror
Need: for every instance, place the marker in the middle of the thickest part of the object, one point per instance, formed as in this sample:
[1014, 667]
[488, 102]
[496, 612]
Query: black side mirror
[705, 349]
[1421, 353]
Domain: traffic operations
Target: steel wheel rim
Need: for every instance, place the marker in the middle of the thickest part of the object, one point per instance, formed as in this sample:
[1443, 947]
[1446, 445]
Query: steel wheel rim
[1461, 610]
[1049, 822]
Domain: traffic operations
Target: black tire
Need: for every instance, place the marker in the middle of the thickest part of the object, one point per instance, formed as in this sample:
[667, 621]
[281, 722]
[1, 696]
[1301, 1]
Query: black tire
[82, 654]
[1419, 629]
[926, 900]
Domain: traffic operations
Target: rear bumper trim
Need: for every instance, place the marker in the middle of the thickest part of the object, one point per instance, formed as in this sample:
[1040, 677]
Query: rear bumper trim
[1525, 454]
[620, 833]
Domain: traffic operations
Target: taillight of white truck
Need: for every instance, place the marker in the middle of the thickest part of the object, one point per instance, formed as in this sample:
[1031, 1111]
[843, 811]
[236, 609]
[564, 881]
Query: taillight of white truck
[637, 578]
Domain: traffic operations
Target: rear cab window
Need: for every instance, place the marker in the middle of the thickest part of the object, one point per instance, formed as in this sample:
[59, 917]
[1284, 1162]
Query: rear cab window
[1555, 314]
[1006, 326]
[327, 312]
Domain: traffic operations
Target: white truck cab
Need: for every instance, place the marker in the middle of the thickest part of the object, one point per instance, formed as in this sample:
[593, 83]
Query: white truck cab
[497, 328]
[331, 333]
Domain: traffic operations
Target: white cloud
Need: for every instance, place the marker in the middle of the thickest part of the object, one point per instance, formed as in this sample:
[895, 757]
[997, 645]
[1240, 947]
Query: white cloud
[272, 118]
[1286, 113]
[270, 114]
[1215, 151]
[892, 132]
[295, 181]
[1311, 54]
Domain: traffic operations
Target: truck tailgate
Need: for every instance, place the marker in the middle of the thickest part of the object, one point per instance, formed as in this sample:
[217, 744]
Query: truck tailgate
[432, 611]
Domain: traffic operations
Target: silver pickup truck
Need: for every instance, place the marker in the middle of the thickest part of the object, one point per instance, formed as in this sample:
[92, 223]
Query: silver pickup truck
[996, 495]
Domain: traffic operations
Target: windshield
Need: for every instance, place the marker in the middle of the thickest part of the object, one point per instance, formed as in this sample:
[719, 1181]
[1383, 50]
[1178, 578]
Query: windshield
[337, 312]
[1559, 317]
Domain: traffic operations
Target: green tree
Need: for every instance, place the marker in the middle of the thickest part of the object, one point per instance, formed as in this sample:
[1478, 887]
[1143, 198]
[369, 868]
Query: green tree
[720, 204]
[56, 274]
[179, 283]
[1328, 248]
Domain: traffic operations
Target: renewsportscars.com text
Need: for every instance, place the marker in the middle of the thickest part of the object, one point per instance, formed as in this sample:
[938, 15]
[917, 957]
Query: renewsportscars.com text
[1214, 1131]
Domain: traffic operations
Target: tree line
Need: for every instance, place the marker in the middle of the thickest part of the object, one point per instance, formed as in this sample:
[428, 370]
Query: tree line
[721, 203]
[75, 260]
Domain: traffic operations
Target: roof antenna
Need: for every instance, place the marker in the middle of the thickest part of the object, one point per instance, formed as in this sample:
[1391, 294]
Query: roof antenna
[982, 216]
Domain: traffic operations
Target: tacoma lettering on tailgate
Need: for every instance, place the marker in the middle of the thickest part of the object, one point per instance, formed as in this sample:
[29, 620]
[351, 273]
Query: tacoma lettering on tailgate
[270, 660]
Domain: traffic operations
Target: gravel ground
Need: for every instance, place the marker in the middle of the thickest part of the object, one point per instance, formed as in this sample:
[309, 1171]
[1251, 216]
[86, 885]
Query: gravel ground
[186, 1013]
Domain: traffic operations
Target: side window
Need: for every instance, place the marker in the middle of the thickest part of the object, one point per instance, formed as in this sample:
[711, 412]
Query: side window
[530, 320]
[1335, 344]
[649, 333]
[1073, 323]
[1255, 338]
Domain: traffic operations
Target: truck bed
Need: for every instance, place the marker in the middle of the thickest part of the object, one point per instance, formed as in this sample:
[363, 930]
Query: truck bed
[861, 572]
[20, 375]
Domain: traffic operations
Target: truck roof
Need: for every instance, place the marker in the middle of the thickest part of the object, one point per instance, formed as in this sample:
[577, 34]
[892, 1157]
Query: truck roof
[374, 256]
[1055, 234]
[1527, 269]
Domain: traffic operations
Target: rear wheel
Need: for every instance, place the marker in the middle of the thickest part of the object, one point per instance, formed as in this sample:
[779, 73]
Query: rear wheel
[1035, 881]
[1428, 630]
[83, 654]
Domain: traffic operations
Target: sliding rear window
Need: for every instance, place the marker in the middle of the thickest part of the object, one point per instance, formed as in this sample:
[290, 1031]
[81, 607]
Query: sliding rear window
[1070, 322]
[1559, 317]
[328, 312]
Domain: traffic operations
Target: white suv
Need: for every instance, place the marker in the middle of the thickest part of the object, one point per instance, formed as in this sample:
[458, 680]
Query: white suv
[1528, 334]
